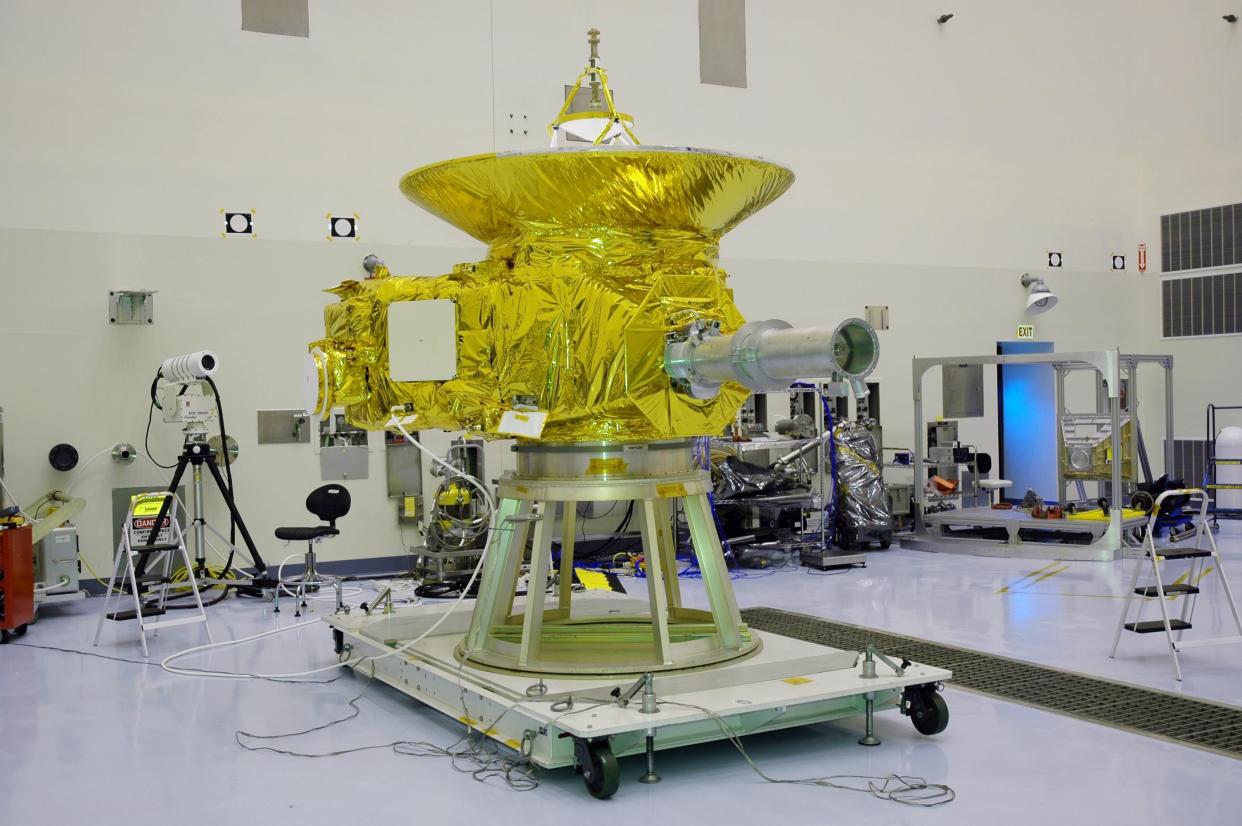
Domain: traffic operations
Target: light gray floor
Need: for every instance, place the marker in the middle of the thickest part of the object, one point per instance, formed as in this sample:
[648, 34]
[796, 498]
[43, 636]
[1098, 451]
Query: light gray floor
[82, 735]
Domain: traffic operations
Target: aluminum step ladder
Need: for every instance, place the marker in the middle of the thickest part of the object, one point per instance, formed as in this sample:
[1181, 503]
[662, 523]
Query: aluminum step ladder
[136, 530]
[1185, 587]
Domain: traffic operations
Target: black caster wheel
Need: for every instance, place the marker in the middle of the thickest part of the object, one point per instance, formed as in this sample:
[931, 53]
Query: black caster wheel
[926, 709]
[599, 768]
[5, 636]
[338, 641]
[20, 631]
[885, 544]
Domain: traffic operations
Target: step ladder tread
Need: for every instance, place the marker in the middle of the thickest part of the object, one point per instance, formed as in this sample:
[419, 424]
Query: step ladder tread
[1181, 553]
[131, 614]
[151, 549]
[1169, 590]
[1153, 626]
[175, 621]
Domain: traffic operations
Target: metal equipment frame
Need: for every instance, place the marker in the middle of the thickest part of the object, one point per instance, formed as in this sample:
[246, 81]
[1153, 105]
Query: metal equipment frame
[1106, 540]
[1210, 482]
[1128, 364]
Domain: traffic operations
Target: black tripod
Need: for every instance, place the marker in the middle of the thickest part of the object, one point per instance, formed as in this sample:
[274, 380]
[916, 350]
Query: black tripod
[198, 454]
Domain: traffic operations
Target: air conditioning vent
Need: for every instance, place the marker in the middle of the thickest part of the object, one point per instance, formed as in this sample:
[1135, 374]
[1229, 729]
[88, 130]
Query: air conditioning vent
[1203, 305]
[1201, 239]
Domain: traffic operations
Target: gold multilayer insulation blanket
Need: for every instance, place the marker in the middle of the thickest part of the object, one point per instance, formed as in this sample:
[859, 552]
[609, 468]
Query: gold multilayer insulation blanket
[595, 257]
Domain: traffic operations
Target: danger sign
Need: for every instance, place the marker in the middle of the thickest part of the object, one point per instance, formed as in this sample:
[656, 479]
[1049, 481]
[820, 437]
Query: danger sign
[142, 519]
[140, 530]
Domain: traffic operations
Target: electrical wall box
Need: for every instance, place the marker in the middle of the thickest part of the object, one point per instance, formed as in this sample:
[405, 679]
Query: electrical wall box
[284, 427]
[422, 340]
[344, 463]
[877, 316]
[131, 306]
[404, 465]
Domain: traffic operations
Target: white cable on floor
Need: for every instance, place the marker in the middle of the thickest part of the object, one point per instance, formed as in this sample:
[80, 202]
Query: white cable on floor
[225, 644]
[896, 788]
[471, 480]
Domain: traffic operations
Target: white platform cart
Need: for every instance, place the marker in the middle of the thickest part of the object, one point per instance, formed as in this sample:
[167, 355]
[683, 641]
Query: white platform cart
[561, 722]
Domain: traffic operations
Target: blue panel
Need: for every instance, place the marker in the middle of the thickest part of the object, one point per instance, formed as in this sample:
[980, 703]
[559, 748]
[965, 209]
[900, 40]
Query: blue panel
[1028, 438]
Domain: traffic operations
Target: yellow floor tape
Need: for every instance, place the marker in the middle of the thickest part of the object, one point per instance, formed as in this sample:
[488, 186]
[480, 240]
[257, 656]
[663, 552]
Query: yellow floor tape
[1024, 578]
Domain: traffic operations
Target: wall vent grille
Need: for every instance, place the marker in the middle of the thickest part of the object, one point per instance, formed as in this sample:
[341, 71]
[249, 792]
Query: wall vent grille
[1203, 305]
[1201, 238]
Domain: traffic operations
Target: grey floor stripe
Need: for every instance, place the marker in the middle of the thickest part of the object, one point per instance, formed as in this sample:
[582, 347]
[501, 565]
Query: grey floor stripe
[1184, 720]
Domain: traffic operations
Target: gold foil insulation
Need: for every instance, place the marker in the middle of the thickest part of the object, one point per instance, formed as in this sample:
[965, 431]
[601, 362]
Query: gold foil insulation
[595, 257]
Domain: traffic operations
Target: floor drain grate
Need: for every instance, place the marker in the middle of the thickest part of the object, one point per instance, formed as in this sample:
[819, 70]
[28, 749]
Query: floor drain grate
[1183, 720]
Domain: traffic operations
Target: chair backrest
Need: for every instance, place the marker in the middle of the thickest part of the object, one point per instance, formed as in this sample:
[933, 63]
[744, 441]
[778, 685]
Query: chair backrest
[329, 503]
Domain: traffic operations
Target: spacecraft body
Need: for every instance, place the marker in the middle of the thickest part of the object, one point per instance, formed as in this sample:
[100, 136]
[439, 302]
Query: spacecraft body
[601, 334]
[596, 258]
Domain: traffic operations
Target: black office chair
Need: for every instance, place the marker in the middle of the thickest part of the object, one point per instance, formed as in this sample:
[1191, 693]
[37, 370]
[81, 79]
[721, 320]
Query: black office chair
[329, 503]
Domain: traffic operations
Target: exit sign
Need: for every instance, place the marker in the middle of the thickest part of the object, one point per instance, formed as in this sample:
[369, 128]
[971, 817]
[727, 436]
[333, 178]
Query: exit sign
[1026, 331]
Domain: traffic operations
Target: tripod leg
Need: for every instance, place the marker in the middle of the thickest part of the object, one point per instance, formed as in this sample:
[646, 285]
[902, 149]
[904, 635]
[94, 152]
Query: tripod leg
[259, 564]
[182, 463]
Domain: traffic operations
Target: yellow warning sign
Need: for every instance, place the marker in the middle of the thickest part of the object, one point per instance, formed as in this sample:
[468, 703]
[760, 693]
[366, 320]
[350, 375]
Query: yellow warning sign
[148, 507]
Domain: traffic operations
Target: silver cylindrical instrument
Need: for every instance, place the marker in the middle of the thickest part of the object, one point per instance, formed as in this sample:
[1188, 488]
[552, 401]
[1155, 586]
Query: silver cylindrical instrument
[769, 355]
[190, 367]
